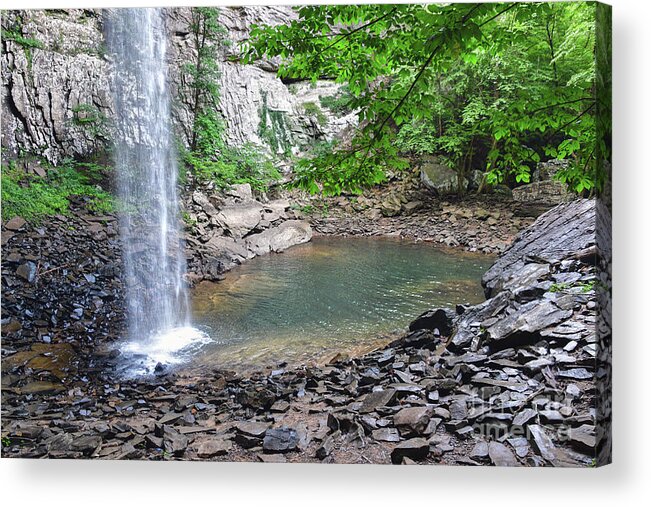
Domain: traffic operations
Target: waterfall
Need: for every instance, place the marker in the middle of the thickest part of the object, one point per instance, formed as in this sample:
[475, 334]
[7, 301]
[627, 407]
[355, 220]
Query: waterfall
[145, 162]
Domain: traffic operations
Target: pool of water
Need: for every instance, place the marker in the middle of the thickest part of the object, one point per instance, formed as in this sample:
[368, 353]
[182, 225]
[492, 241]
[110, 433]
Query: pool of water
[328, 296]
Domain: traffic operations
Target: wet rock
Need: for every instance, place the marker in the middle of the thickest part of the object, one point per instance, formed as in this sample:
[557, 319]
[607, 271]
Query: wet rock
[441, 319]
[415, 448]
[282, 439]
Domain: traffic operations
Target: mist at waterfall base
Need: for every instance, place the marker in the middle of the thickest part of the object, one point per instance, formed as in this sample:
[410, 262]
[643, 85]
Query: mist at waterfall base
[158, 311]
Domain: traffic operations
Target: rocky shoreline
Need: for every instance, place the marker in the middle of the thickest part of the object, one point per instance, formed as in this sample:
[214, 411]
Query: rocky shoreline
[513, 381]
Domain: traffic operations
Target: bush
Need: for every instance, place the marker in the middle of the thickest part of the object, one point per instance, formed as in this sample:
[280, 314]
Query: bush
[233, 165]
[340, 103]
[34, 198]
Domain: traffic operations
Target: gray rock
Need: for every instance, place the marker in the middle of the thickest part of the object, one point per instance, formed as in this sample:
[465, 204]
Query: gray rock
[543, 443]
[575, 374]
[501, 456]
[441, 319]
[412, 420]
[240, 219]
[439, 178]
[174, 442]
[386, 435]
[15, 224]
[282, 439]
[529, 318]
[326, 448]
[27, 271]
[524, 416]
[241, 191]
[555, 235]
[251, 428]
[583, 438]
[415, 448]
[211, 448]
[458, 410]
[279, 239]
[480, 450]
[376, 399]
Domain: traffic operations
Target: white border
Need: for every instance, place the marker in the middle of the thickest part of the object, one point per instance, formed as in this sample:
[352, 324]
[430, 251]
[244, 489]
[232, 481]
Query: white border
[53, 483]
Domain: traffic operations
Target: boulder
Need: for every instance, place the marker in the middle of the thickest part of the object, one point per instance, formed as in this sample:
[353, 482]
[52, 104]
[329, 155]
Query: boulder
[240, 191]
[201, 200]
[278, 239]
[439, 178]
[554, 236]
[224, 247]
[240, 219]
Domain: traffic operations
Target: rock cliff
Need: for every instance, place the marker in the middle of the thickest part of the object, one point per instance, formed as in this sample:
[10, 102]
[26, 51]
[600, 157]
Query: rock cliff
[56, 100]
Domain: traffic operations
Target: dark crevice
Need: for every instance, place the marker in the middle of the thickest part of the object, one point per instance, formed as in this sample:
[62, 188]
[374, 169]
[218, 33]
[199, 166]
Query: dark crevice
[516, 340]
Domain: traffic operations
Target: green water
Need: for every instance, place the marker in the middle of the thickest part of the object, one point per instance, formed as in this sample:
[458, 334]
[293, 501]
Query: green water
[331, 295]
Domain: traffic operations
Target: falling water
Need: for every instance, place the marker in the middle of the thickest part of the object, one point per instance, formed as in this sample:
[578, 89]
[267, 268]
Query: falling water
[153, 250]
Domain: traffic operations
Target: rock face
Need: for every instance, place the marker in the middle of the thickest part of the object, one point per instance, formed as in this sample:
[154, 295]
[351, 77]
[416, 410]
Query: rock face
[543, 189]
[56, 99]
[55, 92]
[561, 233]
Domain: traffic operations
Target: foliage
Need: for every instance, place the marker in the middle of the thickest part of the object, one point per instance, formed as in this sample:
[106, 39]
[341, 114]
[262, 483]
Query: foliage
[245, 164]
[339, 103]
[493, 86]
[273, 128]
[18, 38]
[92, 119]
[209, 157]
[33, 197]
[312, 109]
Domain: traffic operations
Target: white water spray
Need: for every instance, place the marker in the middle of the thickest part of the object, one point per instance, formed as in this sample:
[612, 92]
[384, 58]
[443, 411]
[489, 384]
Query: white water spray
[145, 160]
